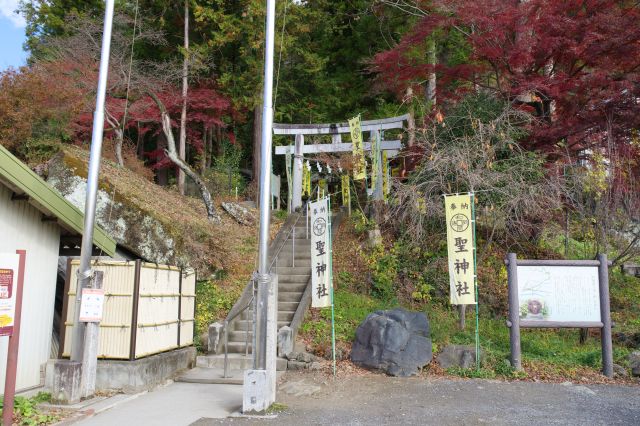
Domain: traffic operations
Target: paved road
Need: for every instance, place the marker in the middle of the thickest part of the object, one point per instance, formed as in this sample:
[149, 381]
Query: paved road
[178, 404]
[380, 400]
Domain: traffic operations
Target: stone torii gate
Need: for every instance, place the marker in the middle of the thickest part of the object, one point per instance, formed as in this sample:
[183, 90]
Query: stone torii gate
[336, 130]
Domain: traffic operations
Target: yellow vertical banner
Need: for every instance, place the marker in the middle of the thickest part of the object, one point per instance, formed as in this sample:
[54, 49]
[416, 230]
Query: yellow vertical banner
[385, 175]
[357, 148]
[324, 188]
[306, 181]
[461, 248]
[346, 192]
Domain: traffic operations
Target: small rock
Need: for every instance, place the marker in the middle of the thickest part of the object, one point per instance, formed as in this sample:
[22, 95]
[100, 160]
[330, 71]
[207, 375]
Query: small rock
[296, 365]
[306, 357]
[634, 363]
[315, 366]
[457, 356]
[299, 388]
[620, 371]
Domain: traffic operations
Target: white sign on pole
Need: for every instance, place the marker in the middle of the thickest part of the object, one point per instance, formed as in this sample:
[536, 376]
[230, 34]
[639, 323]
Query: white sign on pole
[91, 305]
[558, 293]
[9, 263]
[320, 262]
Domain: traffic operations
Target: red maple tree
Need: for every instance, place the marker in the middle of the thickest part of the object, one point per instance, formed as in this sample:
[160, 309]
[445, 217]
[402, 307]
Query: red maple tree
[577, 62]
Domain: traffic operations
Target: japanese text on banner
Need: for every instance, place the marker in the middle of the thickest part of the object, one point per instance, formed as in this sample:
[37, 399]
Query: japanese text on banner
[461, 248]
[320, 252]
[306, 181]
[385, 175]
[346, 191]
[359, 170]
[375, 160]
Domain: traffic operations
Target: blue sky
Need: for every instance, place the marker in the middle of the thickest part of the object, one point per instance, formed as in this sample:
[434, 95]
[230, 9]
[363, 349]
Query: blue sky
[11, 35]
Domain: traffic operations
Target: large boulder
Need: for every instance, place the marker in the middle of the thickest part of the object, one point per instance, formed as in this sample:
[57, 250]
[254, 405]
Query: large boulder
[395, 341]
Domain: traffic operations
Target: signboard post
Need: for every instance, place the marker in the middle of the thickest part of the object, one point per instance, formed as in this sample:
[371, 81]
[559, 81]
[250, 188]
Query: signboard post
[461, 247]
[12, 282]
[559, 294]
[321, 284]
[322, 263]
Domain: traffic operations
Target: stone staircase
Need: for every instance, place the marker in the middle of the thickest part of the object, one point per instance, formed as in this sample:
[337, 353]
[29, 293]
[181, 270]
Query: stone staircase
[291, 260]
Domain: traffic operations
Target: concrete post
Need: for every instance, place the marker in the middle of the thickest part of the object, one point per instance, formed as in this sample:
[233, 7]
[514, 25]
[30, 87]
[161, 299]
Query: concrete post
[296, 199]
[272, 339]
[605, 316]
[514, 311]
[259, 390]
[90, 353]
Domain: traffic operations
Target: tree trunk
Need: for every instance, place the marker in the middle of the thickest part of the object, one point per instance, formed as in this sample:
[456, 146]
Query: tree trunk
[431, 81]
[203, 158]
[411, 122]
[175, 159]
[185, 88]
[209, 147]
[257, 141]
[117, 143]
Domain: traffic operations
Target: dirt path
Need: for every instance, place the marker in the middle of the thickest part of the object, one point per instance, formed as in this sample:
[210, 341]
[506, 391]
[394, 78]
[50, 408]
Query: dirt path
[312, 399]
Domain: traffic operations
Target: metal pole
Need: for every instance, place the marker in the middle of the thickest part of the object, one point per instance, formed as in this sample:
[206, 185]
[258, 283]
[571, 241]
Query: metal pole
[84, 273]
[605, 316]
[265, 187]
[514, 311]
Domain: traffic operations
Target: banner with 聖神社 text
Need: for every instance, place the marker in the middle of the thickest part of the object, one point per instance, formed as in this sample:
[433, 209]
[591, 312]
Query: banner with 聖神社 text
[461, 248]
[320, 254]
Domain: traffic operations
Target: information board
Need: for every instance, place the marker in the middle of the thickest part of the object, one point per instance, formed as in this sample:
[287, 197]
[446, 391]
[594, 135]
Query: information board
[8, 281]
[558, 293]
[91, 305]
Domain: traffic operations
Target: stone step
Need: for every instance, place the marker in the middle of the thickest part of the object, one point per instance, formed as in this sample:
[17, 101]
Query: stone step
[282, 316]
[239, 325]
[291, 278]
[298, 270]
[300, 253]
[238, 347]
[287, 306]
[212, 376]
[236, 362]
[239, 336]
[286, 261]
[291, 287]
[289, 296]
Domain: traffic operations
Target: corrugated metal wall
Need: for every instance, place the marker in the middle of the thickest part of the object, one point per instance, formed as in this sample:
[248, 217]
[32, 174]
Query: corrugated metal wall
[22, 228]
[115, 328]
[187, 308]
[154, 318]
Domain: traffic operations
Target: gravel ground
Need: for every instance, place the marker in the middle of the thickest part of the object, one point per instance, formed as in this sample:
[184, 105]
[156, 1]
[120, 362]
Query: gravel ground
[312, 399]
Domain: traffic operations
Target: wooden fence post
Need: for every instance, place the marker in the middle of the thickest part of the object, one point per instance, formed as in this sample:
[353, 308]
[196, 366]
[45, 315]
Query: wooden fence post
[134, 311]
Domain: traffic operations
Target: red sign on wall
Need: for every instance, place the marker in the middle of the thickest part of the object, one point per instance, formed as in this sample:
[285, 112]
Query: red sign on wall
[8, 273]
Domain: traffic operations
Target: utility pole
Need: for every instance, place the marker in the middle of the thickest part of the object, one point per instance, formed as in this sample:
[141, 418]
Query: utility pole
[258, 394]
[78, 347]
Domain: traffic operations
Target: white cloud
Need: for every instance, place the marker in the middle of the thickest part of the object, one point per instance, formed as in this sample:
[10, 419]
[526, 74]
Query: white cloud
[8, 9]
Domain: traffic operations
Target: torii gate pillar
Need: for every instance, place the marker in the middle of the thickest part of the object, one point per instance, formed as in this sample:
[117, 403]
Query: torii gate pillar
[296, 200]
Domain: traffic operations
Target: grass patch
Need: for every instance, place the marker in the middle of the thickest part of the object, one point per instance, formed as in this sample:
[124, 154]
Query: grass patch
[276, 407]
[550, 354]
[26, 413]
